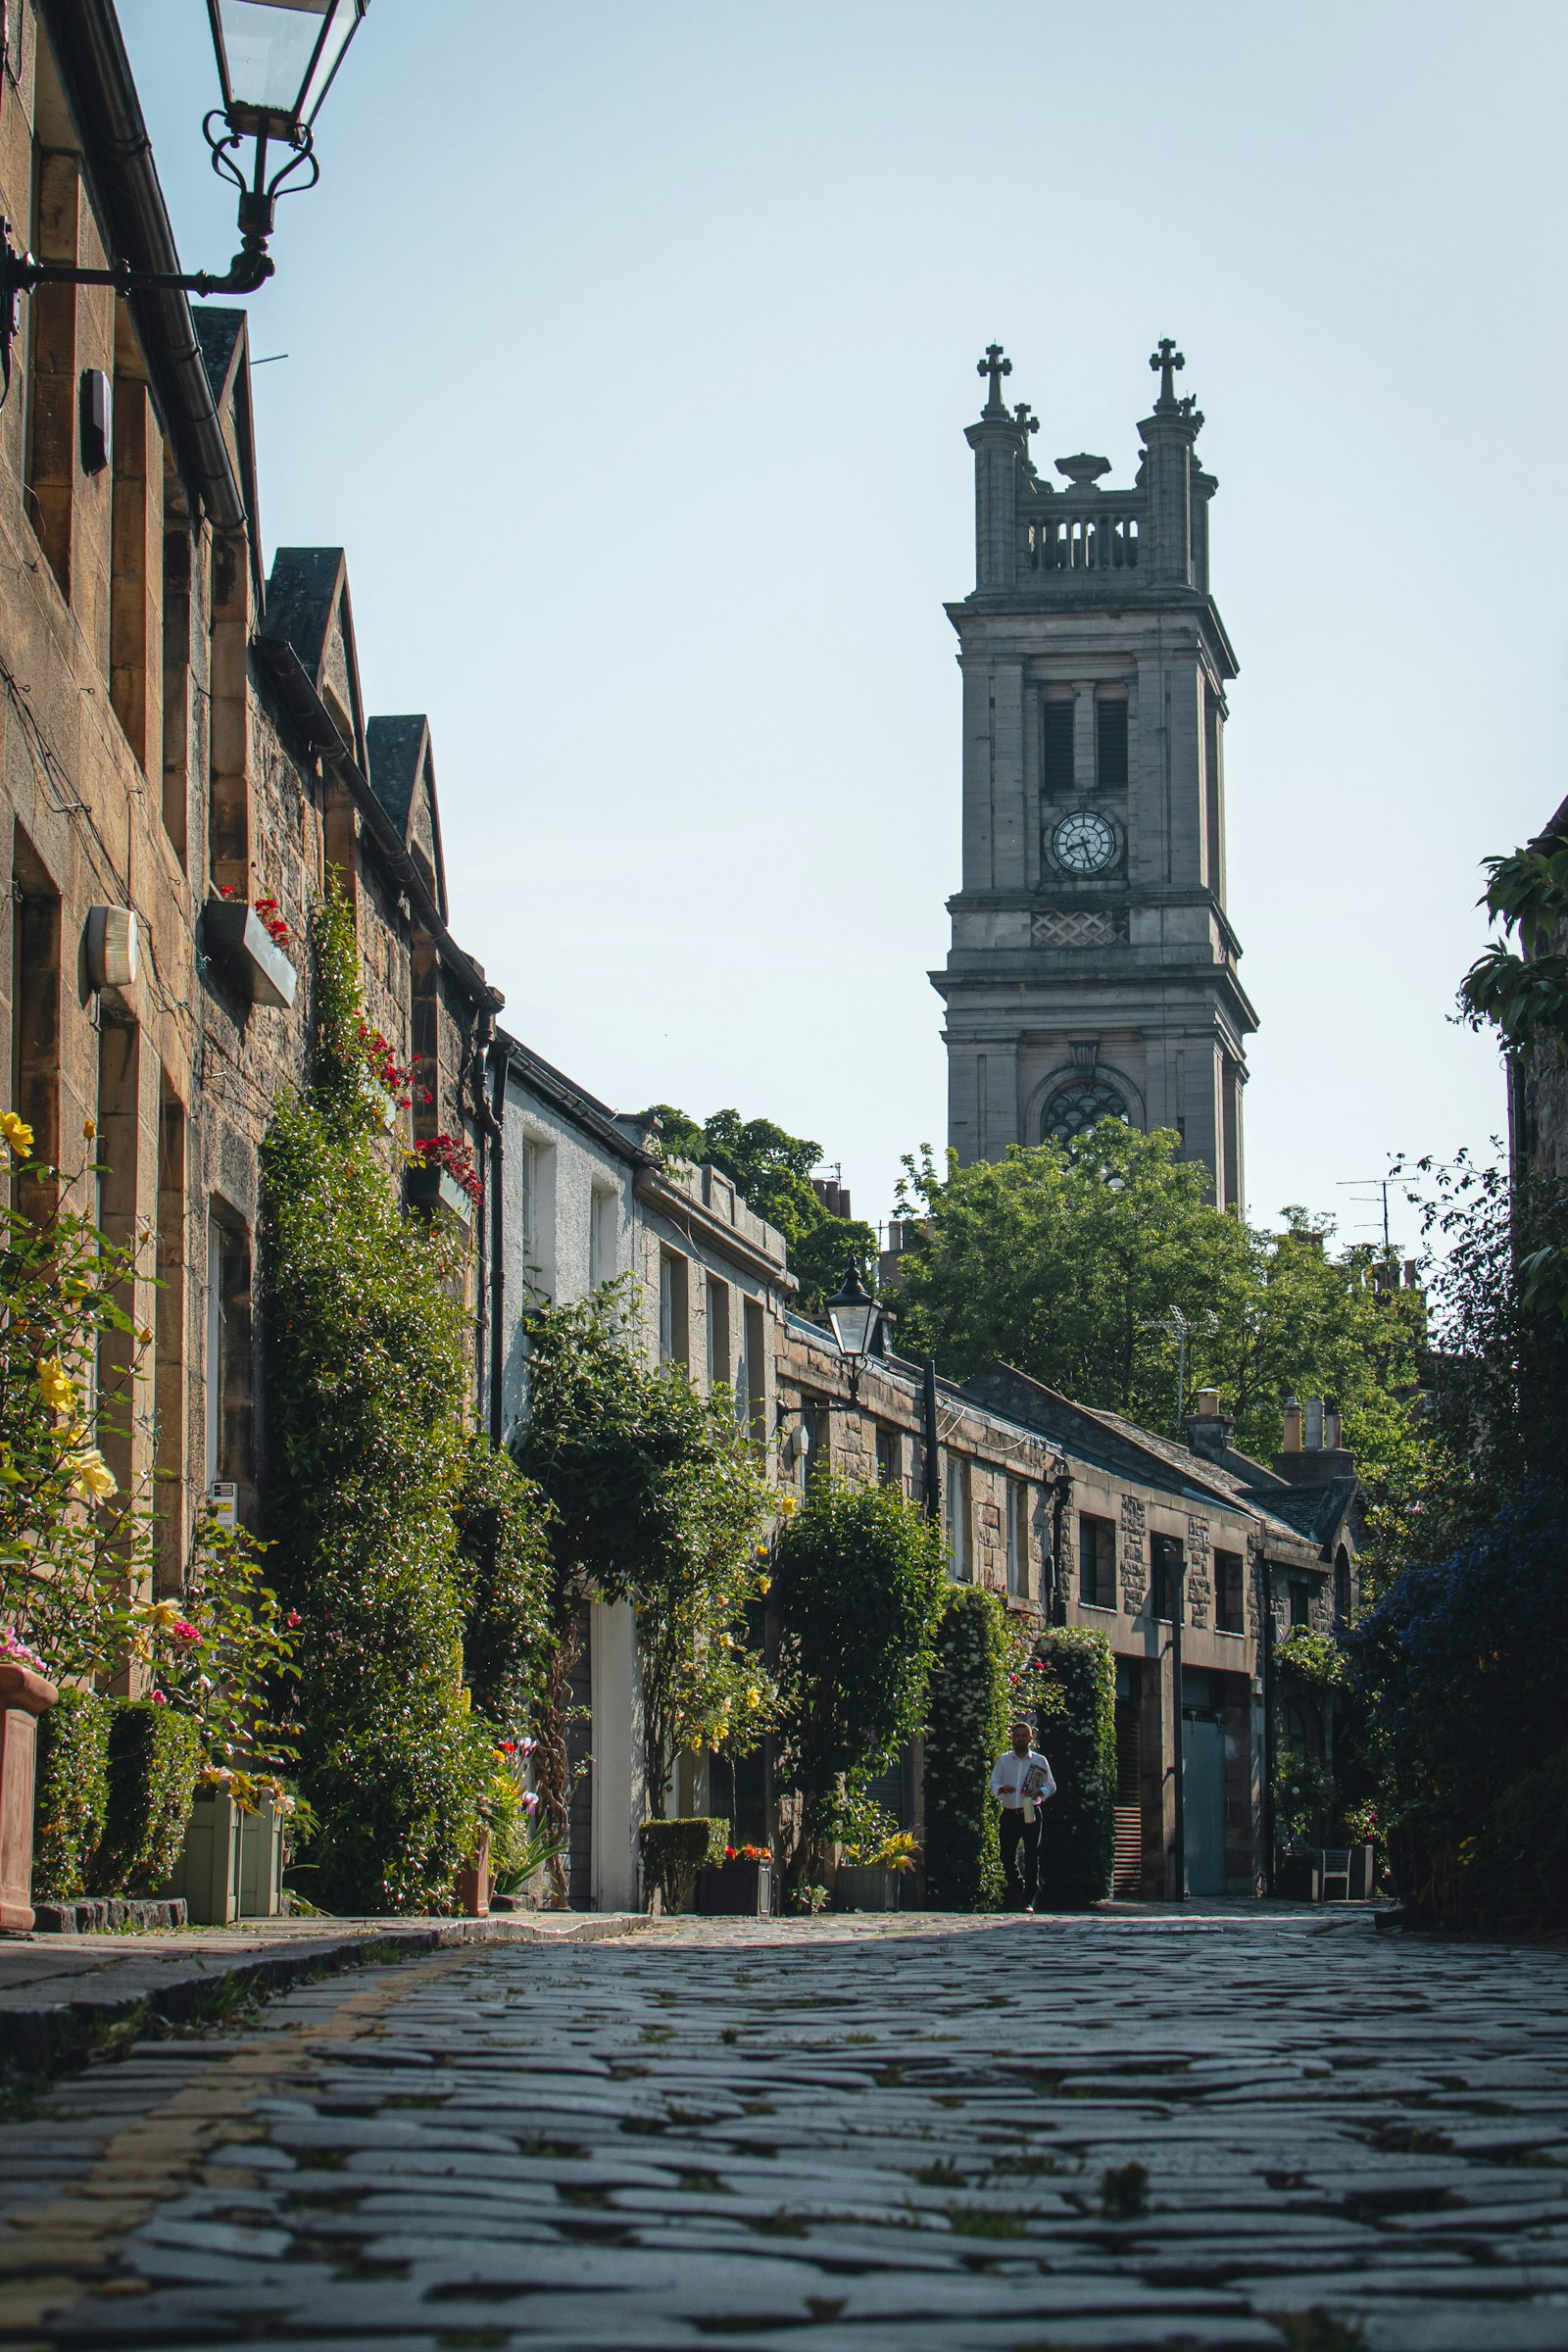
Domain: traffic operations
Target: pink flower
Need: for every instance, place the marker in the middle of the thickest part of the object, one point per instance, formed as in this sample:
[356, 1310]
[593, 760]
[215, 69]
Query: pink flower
[183, 1631]
[158, 1700]
[531, 1800]
[292, 1618]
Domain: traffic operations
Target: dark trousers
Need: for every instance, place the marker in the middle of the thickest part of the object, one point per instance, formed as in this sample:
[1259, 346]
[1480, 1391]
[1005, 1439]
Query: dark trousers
[1020, 1857]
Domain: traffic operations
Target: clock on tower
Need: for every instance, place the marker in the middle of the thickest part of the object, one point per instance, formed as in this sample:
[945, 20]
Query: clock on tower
[1093, 972]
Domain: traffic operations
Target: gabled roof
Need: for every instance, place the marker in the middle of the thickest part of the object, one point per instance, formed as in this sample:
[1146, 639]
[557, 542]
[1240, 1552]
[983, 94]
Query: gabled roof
[309, 610]
[1316, 1511]
[402, 770]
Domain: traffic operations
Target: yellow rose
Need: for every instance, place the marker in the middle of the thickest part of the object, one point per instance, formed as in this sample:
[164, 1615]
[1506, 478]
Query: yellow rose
[788, 1506]
[765, 1584]
[18, 1135]
[728, 1641]
[59, 1391]
[89, 1128]
[91, 1477]
[754, 1697]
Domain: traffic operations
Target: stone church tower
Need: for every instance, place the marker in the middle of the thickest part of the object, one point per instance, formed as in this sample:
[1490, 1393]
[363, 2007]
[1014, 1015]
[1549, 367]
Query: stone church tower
[1093, 967]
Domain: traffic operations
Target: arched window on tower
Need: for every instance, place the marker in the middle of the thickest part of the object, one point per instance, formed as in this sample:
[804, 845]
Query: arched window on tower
[1078, 1106]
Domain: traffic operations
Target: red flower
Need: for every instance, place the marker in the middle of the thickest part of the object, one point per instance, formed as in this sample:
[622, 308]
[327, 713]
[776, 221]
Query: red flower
[292, 1618]
[183, 1631]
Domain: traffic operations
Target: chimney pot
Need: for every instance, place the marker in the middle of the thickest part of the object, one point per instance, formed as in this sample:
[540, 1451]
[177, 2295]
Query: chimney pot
[1208, 1404]
[1293, 1426]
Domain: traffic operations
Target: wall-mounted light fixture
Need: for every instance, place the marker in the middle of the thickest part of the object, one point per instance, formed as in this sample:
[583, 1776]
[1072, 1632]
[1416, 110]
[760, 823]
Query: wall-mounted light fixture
[276, 60]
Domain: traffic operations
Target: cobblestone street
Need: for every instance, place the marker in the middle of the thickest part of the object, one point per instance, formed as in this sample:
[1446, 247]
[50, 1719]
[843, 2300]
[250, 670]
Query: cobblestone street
[923, 2134]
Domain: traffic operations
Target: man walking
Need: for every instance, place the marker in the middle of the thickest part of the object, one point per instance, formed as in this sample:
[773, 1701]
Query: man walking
[1022, 1778]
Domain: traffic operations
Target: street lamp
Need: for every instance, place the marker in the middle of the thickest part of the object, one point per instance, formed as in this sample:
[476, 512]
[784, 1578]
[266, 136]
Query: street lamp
[276, 60]
[855, 1316]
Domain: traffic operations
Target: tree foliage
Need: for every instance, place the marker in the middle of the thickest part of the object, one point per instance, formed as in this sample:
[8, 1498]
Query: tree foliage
[655, 1498]
[967, 1727]
[1074, 1694]
[1067, 1260]
[366, 1384]
[858, 1586]
[771, 1170]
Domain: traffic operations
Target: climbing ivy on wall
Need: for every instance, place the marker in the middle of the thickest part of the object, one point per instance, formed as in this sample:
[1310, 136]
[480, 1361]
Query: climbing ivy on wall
[966, 1729]
[366, 1379]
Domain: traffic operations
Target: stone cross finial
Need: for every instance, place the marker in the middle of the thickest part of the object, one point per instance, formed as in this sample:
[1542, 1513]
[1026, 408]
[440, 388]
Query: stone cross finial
[1025, 419]
[1164, 361]
[996, 367]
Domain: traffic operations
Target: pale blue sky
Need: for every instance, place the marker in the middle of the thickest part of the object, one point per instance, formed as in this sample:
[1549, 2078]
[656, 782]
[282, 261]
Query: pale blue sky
[630, 350]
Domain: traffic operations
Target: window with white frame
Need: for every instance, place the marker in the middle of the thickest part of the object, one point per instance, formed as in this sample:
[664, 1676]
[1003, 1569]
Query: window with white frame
[603, 1235]
[720, 1366]
[537, 1181]
[675, 1321]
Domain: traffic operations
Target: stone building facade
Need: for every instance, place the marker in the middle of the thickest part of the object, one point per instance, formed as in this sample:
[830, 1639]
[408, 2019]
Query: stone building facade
[184, 759]
[1093, 968]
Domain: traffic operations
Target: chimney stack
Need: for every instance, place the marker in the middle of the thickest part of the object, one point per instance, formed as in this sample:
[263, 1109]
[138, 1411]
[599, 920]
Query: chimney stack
[1209, 1430]
[1293, 1426]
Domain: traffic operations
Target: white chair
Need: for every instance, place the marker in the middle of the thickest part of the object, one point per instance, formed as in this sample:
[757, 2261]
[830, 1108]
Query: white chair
[1334, 1883]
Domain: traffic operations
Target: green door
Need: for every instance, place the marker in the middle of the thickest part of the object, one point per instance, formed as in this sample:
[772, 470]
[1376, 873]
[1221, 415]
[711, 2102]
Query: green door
[1204, 1799]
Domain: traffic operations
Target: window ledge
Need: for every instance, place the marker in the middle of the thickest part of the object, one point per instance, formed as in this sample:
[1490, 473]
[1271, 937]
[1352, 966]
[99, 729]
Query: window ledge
[433, 1188]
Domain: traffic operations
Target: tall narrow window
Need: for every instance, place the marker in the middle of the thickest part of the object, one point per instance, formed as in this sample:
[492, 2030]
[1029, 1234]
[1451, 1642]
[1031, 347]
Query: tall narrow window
[176, 632]
[51, 327]
[229, 1455]
[889, 1457]
[169, 1324]
[35, 1003]
[958, 1483]
[538, 1208]
[1055, 747]
[229, 823]
[1110, 746]
[675, 1317]
[1230, 1604]
[1096, 1561]
[136, 576]
[603, 1234]
[117, 1149]
[752, 1399]
[1018, 1537]
[720, 1368]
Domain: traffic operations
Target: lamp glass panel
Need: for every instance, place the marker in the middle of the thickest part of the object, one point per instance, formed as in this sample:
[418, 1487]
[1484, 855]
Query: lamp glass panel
[282, 54]
[852, 1325]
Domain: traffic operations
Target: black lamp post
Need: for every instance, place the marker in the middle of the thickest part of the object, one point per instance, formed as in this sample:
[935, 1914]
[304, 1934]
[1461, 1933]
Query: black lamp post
[276, 60]
[855, 1316]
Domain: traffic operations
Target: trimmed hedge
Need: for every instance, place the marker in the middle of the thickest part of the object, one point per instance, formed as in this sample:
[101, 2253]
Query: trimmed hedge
[154, 1757]
[1074, 1699]
[70, 1799]
[675, 1851]
[966, 1731]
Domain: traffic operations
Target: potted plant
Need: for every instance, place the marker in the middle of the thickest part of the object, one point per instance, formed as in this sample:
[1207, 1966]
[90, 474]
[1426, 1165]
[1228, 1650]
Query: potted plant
[675, 1851]
[473, 1880]
[740, 1886]
[1361, 1835]
[251, 940]
[870, 1877]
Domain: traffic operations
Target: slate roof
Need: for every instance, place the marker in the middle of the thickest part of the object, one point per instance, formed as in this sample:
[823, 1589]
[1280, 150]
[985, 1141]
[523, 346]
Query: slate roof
[300, 597]
[217, 334]
[395, 747]
[1315, 1511]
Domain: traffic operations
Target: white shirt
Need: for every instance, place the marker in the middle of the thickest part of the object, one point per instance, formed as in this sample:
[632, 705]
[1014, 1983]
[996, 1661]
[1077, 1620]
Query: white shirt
[1014, 1778]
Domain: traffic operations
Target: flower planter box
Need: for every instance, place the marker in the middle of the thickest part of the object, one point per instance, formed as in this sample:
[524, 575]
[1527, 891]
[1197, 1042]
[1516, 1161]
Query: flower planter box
[1363, 1873]
[207, 1872]
[866, 1886]
[1298, 1879]
[473, 1882]
[261, 1862]
[433, 1188]
[382, 1105]
[235, 936]
[736, 1890]
[23, 1698]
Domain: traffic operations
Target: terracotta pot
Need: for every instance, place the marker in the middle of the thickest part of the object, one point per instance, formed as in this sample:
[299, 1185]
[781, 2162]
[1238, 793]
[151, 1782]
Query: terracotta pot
[23, 1697]
[473, 1884]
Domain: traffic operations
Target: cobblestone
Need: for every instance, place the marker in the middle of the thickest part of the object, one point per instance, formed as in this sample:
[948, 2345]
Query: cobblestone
[1124, 2130]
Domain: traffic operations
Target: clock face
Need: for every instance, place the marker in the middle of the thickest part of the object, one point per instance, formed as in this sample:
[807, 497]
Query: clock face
[1084, 843]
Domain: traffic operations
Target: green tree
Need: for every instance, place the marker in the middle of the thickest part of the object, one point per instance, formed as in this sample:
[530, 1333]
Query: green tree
[858, 1579]
[655, 1497]
[1067, 1259]
[771, 1171]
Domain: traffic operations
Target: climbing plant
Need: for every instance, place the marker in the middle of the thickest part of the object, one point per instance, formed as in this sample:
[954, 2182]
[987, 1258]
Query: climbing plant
[1074, 1695]
[365, 1375]
[858, 1579]
[655, 1498]
[966, 1729]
